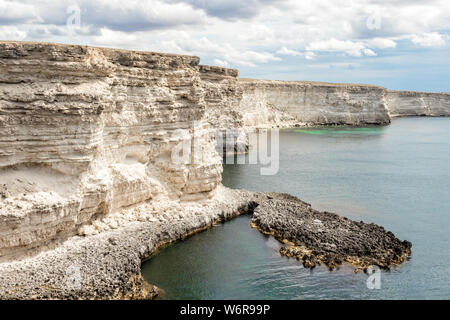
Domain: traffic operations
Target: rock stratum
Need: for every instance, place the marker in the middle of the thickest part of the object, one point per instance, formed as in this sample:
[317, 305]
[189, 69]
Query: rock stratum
[287, 103]
[273, 103]
[92, 179]
[85, 132]
[412, 103]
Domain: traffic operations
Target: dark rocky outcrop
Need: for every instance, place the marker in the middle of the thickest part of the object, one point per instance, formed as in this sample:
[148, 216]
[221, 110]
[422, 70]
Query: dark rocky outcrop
[315, 237]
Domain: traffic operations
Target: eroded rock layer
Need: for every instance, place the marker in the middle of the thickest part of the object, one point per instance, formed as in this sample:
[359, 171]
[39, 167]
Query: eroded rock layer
[284, 103]
[412, 103]
[223, 94]
[88, 131]
[107, 265]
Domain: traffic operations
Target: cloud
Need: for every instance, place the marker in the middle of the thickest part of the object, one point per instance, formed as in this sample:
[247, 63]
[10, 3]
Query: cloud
[369, 52]
[221, 63]
[309, 55]
[12, 33]
[231, 9]
[225, 51]
[432, 39]
[134, 15]
[14, 12]
[128, 16]
[348, 47]
[381, 43]
[335, 65]
[288, 52]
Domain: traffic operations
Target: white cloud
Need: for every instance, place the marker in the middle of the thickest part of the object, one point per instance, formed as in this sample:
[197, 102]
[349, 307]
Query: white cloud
[369, 52]
[12, 33]
[348, 47]
[432, 39]
[381, 43]
[231, 9]
[221, 63]
[118, 39]
[335, 65]
[16, 12]
[288, 52]
[138, 15]
[309, 55]
[225, 51]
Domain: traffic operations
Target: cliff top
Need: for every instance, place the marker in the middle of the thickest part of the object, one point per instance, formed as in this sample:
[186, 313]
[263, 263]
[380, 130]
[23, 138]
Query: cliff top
[408, 92]
[302, 82]
[106, 49]
[194, 60]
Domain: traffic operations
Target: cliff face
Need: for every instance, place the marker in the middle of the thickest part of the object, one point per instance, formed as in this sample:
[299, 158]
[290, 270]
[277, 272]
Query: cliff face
[268, 102]
[88, 131]
[412, 103]
[223, 94]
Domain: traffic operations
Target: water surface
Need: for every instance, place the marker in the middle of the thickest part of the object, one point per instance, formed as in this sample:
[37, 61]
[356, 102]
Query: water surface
[397, 176]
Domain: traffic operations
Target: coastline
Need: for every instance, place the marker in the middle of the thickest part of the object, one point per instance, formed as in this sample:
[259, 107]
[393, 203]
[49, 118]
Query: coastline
[88, 198]
[108, 265]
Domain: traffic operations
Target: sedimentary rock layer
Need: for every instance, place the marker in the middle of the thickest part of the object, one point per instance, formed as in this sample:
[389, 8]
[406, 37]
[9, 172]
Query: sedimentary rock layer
[85, 132]
[107, 265]
[223, 94]
[284, 103]
[267, 103]
[413, 103]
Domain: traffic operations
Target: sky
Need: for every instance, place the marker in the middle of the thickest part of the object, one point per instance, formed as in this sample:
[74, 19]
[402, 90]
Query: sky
[398, 44]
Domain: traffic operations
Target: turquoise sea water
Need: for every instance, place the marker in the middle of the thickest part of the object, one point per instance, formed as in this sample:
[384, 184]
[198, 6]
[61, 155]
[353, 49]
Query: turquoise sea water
[397, 176]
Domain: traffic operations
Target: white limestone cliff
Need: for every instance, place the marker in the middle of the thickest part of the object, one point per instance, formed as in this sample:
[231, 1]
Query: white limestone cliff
[412, 103]
[267, 103]
[284, 103]
[86, 132]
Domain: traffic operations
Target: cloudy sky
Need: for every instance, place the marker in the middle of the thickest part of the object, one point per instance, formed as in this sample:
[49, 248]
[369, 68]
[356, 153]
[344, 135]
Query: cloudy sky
[399, 44]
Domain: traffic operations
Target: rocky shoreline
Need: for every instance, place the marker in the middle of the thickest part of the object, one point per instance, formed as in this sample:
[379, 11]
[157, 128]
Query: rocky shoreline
[107, 265]
[316, 238]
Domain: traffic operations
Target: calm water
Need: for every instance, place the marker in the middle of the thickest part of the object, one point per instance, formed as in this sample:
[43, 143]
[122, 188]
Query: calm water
[397, 176]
